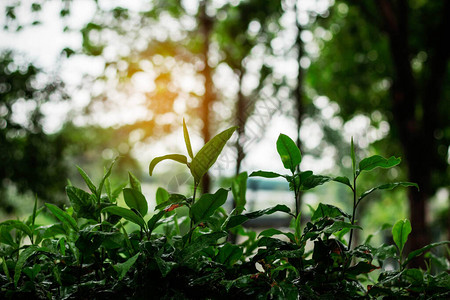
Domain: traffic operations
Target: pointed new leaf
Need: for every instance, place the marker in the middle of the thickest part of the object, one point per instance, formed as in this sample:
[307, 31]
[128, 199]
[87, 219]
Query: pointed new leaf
[187, 140]
[123, 268]
[176, 157]
[135, 199]
[125, 213]
[105, 176]
[239, 188]
[161, 195]
[88, 180]
[388, 186]
[376, 161]
[207, 205]
[18, 225]
[62, 216]
[209, 153]
[400, 233]
[289, 153]
[420, 251]
[134, 182]
[265, 174]
[23, 257]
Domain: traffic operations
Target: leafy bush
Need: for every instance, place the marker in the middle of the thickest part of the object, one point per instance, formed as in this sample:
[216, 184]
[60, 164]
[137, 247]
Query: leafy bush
[182, 249]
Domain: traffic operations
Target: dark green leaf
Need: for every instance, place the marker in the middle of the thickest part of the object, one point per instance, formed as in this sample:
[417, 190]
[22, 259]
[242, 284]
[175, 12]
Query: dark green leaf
[88, 180]
[361, 268]
[173, 199]
[289, 153]
[272, 231]
[313, 181]
[134, 182]
[123, 268]
[420, 251]
[229, 254]
[207, 205]
[151, 224]
[234, 221]
[343, 180]
[134, 199]
[388, 186]
[187, 140]
[176, 157]
[164, 266]
[24, 255]
[376, 161]
[339, 225]
[265, 174]
[18, 225]
[81, 201]
[200, 243]
[62, 216]
[126, 214]
[209, 153]
[327, 210]
[400, 233]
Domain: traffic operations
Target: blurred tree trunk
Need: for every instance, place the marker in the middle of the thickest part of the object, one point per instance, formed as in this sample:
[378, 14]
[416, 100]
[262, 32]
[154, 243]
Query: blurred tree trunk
[206, 26]
[416, 133]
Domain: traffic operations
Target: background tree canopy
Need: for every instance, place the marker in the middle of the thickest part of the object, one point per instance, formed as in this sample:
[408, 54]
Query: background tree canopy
[377, 70]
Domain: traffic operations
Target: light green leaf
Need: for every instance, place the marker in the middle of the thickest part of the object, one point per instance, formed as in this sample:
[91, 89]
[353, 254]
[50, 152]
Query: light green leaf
[88, 180]
[209, 153]
[387, 186]
[62, 216]
[265, 174]
[161, 195]
[187, 140]
[376, 161]
[239, 189]
[125, 213]
[289, 153]
[400, 233]
[207, 205]
[135, 199]
[123, 268]
[134, 182]
[176, 157]
[105, 176]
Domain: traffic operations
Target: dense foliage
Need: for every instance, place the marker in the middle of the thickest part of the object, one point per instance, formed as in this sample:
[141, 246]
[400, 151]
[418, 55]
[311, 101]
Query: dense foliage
[182, 250]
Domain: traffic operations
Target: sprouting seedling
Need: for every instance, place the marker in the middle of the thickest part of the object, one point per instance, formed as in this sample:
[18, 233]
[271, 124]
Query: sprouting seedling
[368, 164]
[291, 158]
[203, 160]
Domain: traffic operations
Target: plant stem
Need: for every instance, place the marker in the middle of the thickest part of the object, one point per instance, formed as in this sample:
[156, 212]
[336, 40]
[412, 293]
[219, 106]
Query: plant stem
[192, 221]
[354, 211]
[296, 192]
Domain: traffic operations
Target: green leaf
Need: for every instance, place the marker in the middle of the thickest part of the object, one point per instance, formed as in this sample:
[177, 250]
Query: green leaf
[161, 195]
[209, 153]
[88, 180]
[152, 223]
[200, 243]
[272, 231]
[289, 153]
[339, 225]
[352, 155]
[173, 199]
[164, 266]
[134, 182]
[420, 251]
[207, 205]
[239, 189]
[229, 254]
[313, 181]
[105, 176]
[125, 213]
[298, 230]
[81, 201]
[187, 140]
[134, 199]
[343, 180]
[376, 161]
[400, 233]
[62, 216]
[176, 157]
[388, 186]
[24, 255]
[18, 225]
[327, 210]
[123, 268]
[265, 174]
[234, 221]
